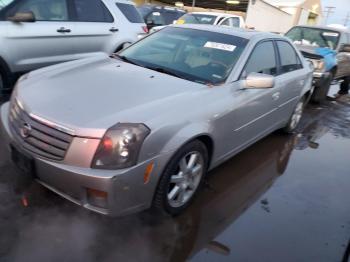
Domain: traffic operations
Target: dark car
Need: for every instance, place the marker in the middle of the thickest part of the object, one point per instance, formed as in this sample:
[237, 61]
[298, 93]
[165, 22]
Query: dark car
[329, 50]
[159, 15]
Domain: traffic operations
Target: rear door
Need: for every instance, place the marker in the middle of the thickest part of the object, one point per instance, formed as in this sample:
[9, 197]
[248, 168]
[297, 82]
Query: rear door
[290, 80]
[95, 27]
[47, 41]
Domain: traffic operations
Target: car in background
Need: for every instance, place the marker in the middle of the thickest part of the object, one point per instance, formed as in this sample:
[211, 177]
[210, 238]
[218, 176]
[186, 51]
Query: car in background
[155, 15]
[39, 33]
[169, 108]
[329, 50]
[209, 18]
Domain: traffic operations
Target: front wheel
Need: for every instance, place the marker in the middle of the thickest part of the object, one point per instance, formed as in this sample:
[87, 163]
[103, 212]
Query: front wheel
[182, 178]
[295, 118]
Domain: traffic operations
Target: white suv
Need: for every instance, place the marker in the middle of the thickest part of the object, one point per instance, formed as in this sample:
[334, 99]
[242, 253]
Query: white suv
[38, 33]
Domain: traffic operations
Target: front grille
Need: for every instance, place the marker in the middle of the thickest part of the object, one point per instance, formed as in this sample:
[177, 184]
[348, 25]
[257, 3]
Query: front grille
[37, 137]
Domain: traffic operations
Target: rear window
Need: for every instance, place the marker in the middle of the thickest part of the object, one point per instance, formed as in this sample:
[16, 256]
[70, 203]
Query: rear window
[130, 12]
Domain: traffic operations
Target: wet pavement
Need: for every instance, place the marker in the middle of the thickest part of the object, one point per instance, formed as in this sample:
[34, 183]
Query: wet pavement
[286, 198]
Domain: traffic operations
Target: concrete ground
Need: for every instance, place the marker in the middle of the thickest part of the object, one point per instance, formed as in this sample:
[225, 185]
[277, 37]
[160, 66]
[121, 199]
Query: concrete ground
[286, 198]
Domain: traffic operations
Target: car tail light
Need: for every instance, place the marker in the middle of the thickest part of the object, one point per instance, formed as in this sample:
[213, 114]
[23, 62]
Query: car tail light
[145, 29]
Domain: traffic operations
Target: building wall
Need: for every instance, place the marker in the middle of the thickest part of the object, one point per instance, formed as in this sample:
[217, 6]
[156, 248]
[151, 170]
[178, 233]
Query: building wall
[265, 17]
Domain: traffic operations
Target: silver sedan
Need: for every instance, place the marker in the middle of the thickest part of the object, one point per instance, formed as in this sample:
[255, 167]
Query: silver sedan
[142, 128]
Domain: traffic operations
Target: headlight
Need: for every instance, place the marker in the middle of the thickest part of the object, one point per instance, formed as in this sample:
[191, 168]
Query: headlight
[319, 65]
[120, 146]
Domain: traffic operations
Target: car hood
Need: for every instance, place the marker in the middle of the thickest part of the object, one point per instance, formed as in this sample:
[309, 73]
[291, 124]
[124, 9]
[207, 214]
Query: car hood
[91, 95]
[309, 51]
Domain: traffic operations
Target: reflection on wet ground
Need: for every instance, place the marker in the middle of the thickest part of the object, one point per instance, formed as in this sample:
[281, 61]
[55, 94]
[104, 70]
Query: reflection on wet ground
[283, 199]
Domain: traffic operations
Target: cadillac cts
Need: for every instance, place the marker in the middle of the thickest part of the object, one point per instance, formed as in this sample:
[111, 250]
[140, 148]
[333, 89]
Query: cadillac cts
[139, 129]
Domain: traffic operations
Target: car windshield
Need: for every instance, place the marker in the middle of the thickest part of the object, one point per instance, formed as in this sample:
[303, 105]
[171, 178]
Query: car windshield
[5, 3]
[197, 19]
[171, 16]
[315, 37]
[195, 55]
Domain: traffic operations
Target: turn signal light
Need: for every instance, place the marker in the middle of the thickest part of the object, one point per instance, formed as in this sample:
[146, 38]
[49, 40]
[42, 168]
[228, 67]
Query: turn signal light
[147, 174]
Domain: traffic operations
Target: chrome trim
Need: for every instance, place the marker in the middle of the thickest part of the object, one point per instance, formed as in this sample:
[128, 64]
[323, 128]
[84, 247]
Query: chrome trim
[254, 120]
[44, 121]
[53, 125]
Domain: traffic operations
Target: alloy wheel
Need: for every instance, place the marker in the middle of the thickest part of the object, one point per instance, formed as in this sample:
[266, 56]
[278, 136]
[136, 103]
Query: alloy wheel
[184, 183]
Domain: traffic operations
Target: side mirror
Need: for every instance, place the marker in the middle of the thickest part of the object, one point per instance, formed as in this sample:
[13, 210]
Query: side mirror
[28, 17]
[345, 48]
[259, 81]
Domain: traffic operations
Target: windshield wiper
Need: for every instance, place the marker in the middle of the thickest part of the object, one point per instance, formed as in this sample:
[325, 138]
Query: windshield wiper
[166, 71]
[172, 73]
[125, 59]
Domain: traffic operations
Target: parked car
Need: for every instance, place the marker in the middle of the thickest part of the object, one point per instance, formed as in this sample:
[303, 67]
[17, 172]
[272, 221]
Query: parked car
[329, 50]
[168, 109]
[38, 33]
[209, 18]
[155, 15]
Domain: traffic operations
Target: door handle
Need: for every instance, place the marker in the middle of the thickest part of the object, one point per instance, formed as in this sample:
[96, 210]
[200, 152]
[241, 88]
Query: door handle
[63, 30]
[113, 29]
[276, 96]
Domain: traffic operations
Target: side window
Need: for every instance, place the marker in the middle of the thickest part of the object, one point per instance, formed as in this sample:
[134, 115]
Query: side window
[235, 21]
[92, 11]
[226, 22]
[289, 58]
[130, 12]
[262, 60]
[44, 10]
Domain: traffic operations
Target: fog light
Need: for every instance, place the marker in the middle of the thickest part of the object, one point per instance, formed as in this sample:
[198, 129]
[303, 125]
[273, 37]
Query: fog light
[97, 198]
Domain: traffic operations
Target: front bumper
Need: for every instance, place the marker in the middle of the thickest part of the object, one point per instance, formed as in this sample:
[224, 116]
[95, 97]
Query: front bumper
[126, 190]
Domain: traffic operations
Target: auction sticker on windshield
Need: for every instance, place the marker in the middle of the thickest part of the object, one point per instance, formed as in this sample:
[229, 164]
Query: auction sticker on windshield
[180, 22]
[221, 46]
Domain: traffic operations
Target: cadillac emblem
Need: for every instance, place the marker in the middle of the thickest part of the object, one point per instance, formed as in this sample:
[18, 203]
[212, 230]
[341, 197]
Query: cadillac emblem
[25, 130]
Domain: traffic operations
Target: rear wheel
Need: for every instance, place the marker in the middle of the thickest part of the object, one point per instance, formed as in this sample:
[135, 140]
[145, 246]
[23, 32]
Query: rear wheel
[295, 118]
[182, 178]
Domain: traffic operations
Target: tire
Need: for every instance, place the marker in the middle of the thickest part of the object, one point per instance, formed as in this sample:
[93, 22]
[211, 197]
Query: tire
[320, 92]
[180, 182]
[295, 118]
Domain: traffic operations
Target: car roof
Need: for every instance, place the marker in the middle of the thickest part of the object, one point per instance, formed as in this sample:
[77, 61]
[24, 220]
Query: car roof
[326, 28]
[215, 14]
[240, 32]
[161, 7]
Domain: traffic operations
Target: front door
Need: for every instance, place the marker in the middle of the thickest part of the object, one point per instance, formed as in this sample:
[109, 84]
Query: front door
[95, 27]
[255, 115]
[44, 42]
